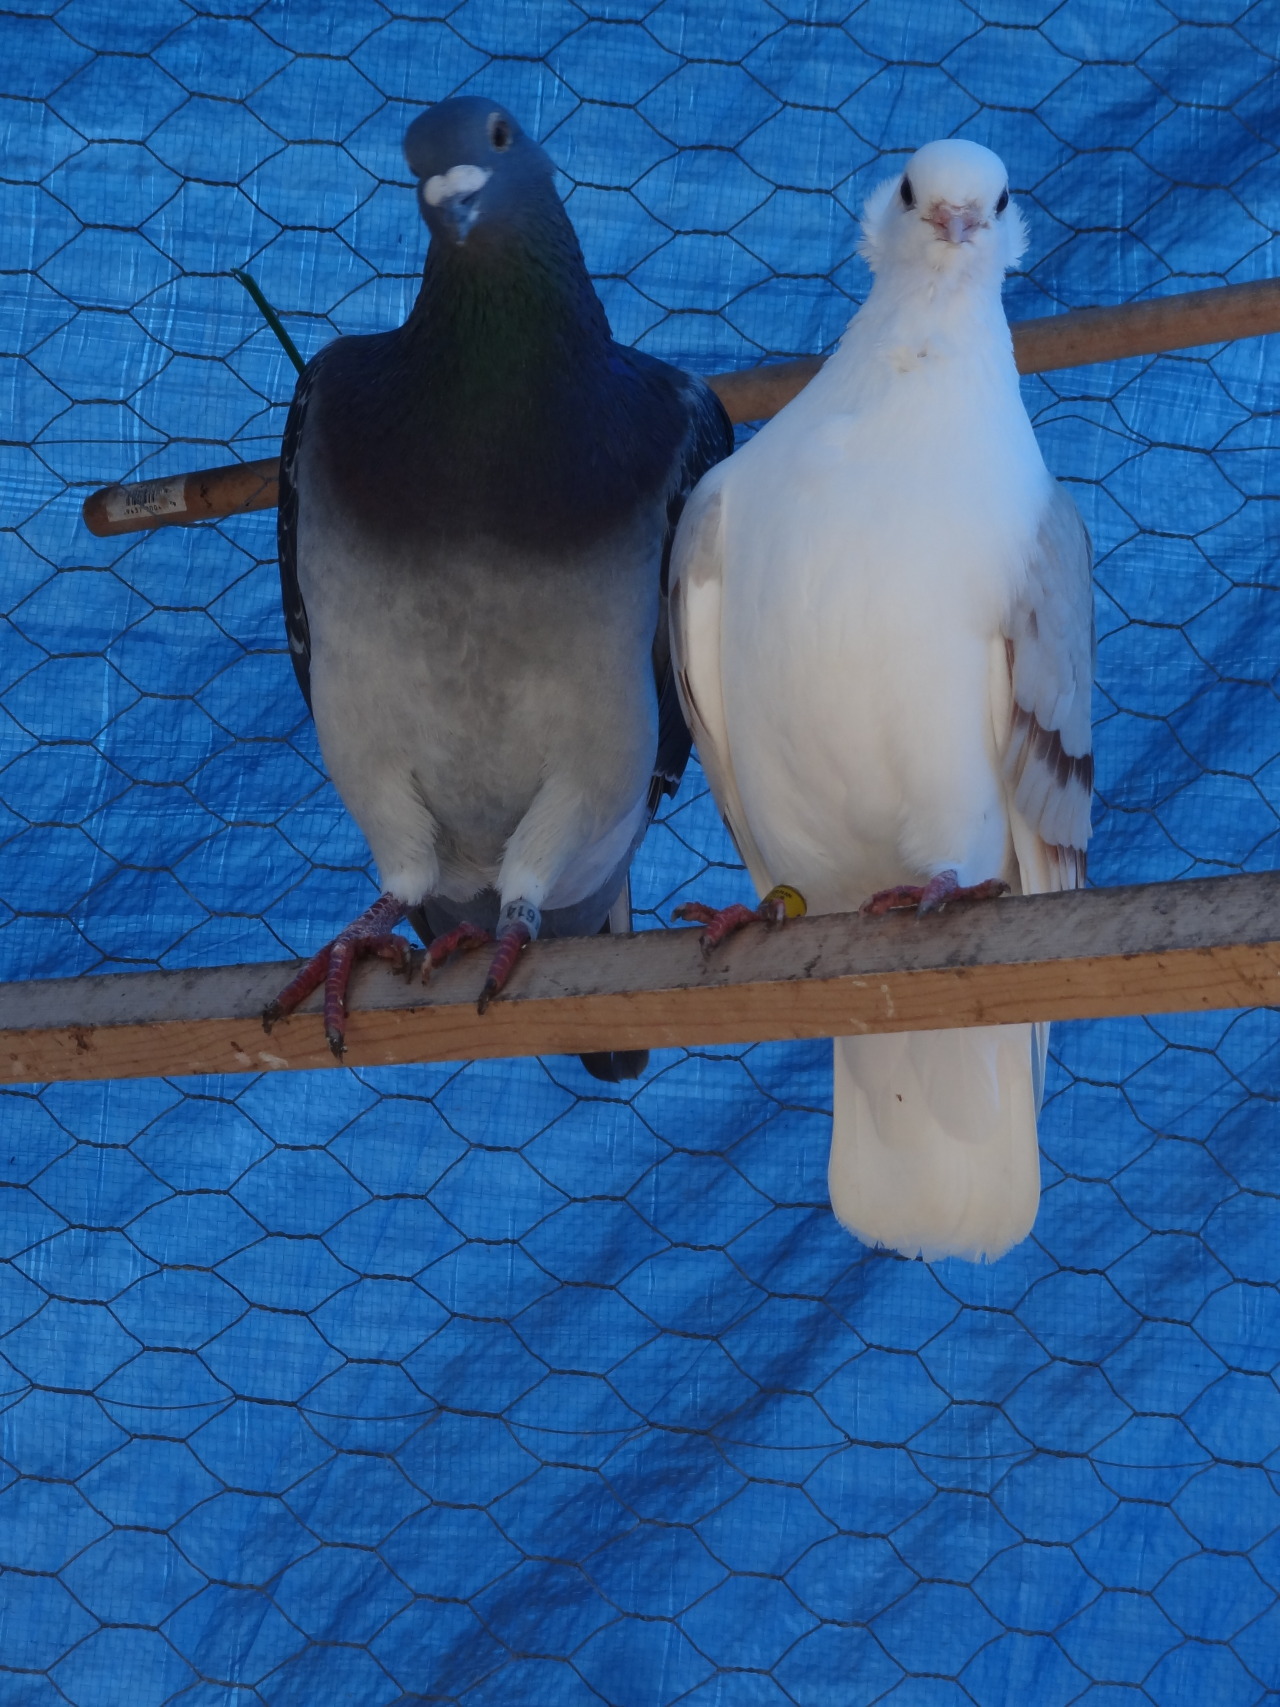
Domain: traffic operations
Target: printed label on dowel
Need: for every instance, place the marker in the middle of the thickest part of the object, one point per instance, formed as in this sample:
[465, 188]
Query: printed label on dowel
[147, 498]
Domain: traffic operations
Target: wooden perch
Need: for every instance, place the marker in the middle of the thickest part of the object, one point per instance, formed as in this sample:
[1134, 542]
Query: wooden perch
[1159, 948]
[181, 499]
[1075, 339]
[1058, 341]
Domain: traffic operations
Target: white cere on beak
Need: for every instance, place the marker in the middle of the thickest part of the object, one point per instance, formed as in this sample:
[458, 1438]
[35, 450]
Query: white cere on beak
[955, 224]
[457, 181]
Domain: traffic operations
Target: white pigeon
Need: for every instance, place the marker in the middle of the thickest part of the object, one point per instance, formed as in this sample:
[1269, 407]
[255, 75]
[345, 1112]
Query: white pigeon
[882, 623]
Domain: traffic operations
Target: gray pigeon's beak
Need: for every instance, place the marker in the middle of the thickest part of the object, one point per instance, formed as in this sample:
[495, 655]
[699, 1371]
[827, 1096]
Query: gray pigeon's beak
[453, 196]
[459, 214]
[954, 224]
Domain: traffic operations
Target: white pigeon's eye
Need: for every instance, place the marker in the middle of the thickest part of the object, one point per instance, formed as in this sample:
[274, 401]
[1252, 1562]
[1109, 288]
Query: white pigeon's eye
[908, 194]
[499, 132]
[1003, 203]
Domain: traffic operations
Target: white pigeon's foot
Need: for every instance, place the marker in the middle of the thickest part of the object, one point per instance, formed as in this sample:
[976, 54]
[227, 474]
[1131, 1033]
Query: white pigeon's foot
[332, 967]
[780, 904]
[933, 896]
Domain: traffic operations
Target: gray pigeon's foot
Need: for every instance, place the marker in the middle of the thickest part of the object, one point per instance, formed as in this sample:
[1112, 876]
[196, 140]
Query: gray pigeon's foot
[459, 940]
[933, 896]
[518, 923]
[369, 934]
[780, 904]
[510, 943]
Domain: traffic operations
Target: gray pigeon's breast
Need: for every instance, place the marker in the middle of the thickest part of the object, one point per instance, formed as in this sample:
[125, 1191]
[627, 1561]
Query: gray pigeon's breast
[464, 677]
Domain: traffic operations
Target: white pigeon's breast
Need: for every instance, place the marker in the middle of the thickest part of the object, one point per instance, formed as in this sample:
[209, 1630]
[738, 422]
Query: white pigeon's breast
[870, 559]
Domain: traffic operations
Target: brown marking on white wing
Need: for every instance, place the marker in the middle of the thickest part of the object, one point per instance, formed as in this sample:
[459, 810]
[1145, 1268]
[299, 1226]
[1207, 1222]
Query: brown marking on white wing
[1048, 758]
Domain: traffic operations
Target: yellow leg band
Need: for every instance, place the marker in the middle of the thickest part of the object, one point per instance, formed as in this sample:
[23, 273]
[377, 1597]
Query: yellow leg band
[793, 902]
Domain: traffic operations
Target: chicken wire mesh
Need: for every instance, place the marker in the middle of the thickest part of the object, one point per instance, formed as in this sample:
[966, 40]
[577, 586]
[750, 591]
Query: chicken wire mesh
[485, 1384]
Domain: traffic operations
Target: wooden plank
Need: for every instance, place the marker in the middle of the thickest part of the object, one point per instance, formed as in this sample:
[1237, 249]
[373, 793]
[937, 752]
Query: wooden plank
[1075, 339]
[1159, 948]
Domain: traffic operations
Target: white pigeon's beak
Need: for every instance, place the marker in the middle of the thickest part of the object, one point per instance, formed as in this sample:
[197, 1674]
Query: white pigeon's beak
[954, 224]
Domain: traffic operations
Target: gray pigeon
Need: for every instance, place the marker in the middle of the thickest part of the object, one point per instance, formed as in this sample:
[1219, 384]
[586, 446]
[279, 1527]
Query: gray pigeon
[476, 512]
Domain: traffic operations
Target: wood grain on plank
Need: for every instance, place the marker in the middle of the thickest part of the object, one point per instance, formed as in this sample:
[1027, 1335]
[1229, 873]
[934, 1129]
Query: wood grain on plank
[1159, 948]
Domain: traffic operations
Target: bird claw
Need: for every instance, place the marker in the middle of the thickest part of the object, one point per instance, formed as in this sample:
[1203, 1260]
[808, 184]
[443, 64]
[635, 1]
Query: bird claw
[931, 897]
[717, 923]
[779, 905]
[510, 944]
[460, 940]
[899, 899]
[367, 935]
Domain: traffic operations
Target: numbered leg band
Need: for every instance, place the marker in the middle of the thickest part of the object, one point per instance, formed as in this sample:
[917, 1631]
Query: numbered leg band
[520, 913]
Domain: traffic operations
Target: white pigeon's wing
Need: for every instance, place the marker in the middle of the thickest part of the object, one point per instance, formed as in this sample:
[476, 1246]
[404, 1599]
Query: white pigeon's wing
[1048, 759]
[696, 592]
[709, 440]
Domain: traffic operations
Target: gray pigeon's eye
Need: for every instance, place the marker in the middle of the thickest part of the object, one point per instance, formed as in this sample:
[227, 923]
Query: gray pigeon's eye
[908, 194]
[1003, 203]
[499, 132]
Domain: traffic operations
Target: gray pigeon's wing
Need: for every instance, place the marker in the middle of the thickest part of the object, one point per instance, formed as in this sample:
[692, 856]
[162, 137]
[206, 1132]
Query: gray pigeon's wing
[295, 612]
[708, 441]
[1048, 762]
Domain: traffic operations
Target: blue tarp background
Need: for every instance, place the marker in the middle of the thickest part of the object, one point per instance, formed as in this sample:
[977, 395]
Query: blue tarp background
[482, 1384]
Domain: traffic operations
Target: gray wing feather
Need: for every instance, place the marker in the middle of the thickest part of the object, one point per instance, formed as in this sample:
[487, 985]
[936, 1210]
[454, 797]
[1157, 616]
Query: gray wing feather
[295, 611]
[708, 441]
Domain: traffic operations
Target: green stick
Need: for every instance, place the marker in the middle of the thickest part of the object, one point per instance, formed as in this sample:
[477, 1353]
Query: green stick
[270, 316]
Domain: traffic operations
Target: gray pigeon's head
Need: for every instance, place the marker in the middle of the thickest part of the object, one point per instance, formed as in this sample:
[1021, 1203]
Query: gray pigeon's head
[476, 168]
[948, 213]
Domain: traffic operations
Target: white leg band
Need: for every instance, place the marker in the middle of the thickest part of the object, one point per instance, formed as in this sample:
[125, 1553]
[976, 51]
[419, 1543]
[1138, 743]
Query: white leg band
[520, 913]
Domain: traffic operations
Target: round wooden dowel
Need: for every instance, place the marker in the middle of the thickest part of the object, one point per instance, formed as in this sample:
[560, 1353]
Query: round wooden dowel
[182, 499]
[1076, 339]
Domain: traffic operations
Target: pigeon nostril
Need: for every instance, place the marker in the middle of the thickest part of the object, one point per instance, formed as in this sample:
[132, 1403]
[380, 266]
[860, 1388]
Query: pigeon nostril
[460, 213]
[953, 224]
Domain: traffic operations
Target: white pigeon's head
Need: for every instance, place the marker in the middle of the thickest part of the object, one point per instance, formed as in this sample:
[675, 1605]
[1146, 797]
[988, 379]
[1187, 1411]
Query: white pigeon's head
[949, 213]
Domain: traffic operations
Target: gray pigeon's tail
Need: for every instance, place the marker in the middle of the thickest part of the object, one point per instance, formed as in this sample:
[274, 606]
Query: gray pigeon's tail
[614, 1065]
[611, 1066]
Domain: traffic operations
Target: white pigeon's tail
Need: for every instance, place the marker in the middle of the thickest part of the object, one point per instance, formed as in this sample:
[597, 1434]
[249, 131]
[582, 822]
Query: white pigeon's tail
[933, 1139]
